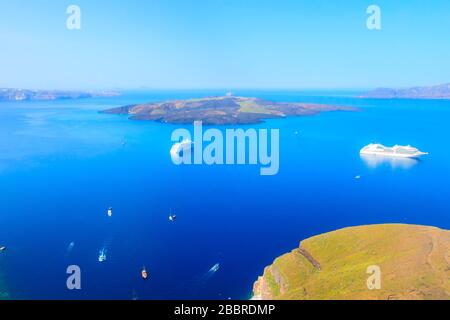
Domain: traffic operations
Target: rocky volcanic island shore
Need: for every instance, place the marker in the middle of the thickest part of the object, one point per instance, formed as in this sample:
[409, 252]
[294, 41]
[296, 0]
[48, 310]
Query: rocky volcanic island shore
[221, 110]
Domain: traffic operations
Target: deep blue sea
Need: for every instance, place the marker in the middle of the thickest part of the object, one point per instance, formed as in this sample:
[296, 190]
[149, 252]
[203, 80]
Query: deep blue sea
[63, 164]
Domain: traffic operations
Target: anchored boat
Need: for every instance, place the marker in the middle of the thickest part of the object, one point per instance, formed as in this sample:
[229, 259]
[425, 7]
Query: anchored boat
[144, 273]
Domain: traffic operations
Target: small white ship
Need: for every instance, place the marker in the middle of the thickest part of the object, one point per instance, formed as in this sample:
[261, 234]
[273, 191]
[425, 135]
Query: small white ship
[110, 212]
[395, 151]
[179, 148]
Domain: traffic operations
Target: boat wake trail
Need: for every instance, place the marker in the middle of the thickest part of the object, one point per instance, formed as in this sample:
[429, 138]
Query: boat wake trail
[212, 271]
[102, 255]
[193, 287]
[203, 279]
[70, 248]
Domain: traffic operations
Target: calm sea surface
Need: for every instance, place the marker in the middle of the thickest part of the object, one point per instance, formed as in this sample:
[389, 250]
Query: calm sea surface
[63, 164]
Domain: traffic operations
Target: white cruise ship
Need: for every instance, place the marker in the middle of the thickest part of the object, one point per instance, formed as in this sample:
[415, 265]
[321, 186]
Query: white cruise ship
[180, 147]
[396, 151]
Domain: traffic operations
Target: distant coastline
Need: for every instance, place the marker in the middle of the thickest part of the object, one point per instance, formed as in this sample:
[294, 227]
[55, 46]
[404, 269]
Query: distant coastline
[8, 94]
[441, 91]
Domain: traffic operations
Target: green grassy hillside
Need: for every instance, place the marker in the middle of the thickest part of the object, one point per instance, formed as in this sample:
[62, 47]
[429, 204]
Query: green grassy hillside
[414, 262]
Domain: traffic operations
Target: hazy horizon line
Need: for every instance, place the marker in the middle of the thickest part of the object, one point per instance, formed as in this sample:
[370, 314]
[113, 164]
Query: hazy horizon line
[227, 89]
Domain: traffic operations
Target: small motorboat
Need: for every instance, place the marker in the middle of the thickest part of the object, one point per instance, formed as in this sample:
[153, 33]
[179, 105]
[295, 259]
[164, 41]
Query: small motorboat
[172, 217]
[2, 249]
[144, 273]
[215, 268]
[110, 212]
[102, 255]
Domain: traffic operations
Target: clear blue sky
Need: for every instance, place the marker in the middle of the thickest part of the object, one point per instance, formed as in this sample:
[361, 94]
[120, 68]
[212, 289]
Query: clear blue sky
[223, 44]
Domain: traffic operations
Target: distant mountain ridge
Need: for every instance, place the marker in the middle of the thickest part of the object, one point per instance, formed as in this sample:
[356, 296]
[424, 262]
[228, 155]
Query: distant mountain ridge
[8, 94]
[441, 91]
